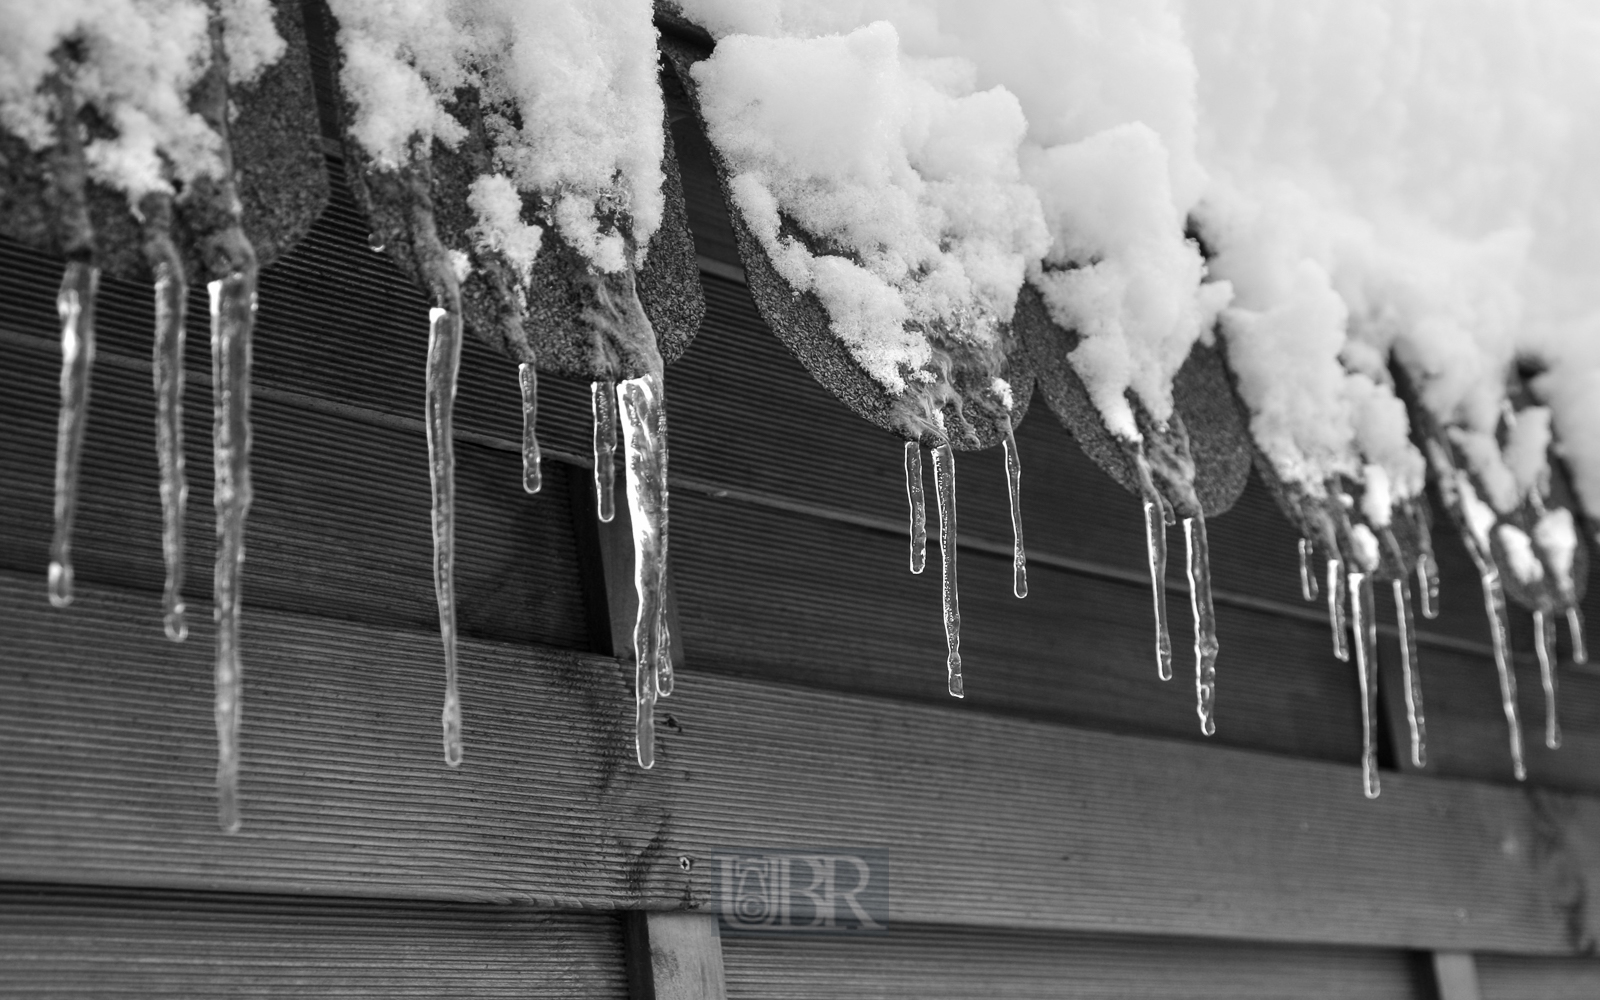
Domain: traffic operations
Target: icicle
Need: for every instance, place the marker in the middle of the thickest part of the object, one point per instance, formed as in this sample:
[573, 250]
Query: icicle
[1019, 556]
[444, 364]
[1410, 673]
[1205, 622]
[528, 381]
[1336, 606]
[1156, 516]
[1544, 643]
[1363, 622]
[1494, 602]
[919, 507]
[233, 310]
[603, 403]
[75, 305]
[171, 295]
[1308, 578]
[1427, 565]
[1580, 648]
[640, 401]
[944, 481]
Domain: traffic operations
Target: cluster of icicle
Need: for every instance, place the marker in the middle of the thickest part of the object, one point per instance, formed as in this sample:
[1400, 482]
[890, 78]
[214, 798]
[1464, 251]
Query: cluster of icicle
[160, 74]
[579, 83]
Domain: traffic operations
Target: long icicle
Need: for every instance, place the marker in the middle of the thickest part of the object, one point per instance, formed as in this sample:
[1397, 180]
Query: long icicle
[443, 367]
[1494, 603]
[171, 301]
[233, 311]
[1544, 643]
[603, 405]
[1019, 555]
[1308, 576]
[1410, 661]
[1580, 648]
[75, 305]
[1205, 622]
[641, 404]
[944, 481]
[1155, 547]
[528, 382]
[75, 300]
[1363, 622]
[918, 502]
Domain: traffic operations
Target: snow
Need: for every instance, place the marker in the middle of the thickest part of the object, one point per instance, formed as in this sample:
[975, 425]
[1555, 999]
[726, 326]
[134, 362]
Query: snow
[1525, 564]
[905, 176]
[1557, 539]
[570, 97]
[498, 206]
[140, 58]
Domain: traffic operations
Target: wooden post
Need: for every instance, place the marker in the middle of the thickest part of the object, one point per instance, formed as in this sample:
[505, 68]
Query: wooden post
[675, 956]
[1455, 974]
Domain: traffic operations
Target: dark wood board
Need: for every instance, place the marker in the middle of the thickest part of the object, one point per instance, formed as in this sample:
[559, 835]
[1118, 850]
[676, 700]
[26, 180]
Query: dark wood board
[106, 744]
[62, 942]
[1505, 977]
[936, 963]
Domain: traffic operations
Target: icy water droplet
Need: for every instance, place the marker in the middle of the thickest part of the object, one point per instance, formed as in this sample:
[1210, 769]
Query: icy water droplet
[75, 306]
[375, 243]
[944, 481]
[528, 382]
[1363, 622]
[1494, 604]
[1580, 648]
[171, 295]
[1205, 622]
[443, 367]
[1308, 576]
[1544, 644]
[642, 407]
[1019, 555]
[1336, 607]
[233, 311]
[1156, 519]
[603, 404]
[919, 507]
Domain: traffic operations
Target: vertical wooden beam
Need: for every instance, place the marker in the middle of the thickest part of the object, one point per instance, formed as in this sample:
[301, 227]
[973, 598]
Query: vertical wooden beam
[1455, 975]
[674, 956]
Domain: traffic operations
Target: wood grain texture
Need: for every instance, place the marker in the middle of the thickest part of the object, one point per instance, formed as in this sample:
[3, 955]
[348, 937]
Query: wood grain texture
[72, 943]
[1504, 977]
[105, 763]
[925, 963]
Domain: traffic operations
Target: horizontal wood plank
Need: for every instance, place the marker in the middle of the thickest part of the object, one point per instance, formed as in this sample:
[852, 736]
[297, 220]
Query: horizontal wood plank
[1504, 977]
[105, 766]
[930, 963]
[58, 942]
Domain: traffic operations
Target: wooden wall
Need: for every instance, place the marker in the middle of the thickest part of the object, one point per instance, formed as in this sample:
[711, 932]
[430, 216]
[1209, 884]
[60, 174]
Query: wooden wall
[1063, 831]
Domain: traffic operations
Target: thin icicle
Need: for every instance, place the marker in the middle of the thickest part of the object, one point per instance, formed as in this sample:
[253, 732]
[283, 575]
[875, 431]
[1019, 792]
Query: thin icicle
[1410, 672]
[1544, 643]
[171, 295]
[444, 364]
[75, 306]
[233, 310]
[919, 507]
[1019, 556]
[1308, 576]
[1580, 648]
[1494, 603]
[603, 404]
[641, 404]
[1205, 622]
[1155, 545]
[944, 481]
[1336, 606]
[1427, 565]
[528, 382]
[1363, 622]
[666, 676]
